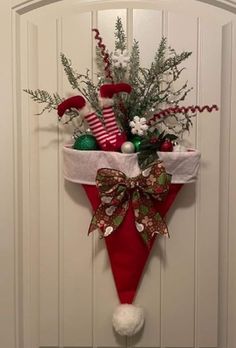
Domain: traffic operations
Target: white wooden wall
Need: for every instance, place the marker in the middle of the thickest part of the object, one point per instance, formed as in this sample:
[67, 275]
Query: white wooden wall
[64, 292]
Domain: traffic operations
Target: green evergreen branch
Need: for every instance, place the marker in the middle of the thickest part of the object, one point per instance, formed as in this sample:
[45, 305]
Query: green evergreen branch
[69, 71]
[134, 64]
[120, 38]
[41, 96]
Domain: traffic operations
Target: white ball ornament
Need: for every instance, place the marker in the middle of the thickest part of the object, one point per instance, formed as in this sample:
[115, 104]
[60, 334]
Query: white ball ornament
[127, 147]
[128, 319]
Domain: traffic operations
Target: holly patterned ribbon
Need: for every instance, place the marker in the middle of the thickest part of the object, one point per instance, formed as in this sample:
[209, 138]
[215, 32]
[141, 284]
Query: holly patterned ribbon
[117, 190]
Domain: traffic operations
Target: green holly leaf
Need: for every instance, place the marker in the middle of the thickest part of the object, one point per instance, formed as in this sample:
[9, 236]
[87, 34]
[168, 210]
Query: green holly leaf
[146, 158]
[170, 137]
[161, 136]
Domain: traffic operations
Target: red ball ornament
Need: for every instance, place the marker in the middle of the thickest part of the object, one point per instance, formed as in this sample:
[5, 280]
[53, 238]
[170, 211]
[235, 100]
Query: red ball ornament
[167, 146]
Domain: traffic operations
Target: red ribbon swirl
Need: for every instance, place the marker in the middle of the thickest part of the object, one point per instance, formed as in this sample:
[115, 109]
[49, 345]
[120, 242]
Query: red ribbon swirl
[182, 110]
[104, 54]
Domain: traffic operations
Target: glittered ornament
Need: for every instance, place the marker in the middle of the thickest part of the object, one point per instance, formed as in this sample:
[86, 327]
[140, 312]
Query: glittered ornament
[86, 142]
[136, 140]
[127, 147]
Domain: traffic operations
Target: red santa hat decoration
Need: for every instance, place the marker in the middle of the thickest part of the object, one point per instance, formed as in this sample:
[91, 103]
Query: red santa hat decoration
[129, 209]
[130, 192]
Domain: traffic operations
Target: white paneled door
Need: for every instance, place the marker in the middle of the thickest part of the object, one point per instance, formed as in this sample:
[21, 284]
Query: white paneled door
[56, 284]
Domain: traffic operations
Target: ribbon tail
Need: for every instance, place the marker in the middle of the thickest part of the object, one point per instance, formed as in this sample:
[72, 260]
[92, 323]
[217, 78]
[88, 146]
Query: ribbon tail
[93, 225]
[148, 220]
[107, 218]
[151, 225]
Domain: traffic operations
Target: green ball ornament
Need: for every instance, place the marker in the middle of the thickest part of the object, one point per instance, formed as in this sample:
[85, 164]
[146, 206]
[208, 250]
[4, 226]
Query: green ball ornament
[136, 140]
[85, 142]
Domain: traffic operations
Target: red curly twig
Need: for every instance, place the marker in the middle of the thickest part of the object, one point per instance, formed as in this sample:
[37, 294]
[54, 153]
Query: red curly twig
[182, 110]
[104, 54]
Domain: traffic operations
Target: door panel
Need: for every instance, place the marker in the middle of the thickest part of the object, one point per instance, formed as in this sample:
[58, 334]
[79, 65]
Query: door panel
[67, 285]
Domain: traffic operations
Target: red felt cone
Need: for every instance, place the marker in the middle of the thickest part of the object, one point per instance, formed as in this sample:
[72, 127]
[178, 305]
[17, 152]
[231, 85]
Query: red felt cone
[127, 252]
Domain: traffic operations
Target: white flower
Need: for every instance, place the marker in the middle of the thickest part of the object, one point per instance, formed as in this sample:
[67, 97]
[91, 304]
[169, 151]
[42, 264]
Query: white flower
[138, 125]
[121, 59]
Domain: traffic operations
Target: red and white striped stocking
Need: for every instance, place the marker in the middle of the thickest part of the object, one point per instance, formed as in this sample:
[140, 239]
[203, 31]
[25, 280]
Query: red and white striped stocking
[110, 120]
[97, 128]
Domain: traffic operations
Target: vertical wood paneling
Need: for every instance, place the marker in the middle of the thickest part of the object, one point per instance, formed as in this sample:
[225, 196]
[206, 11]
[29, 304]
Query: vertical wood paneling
[16, 73]
[208, 200]
[30, 207]
[106, 25]
[34, 218]
[48, 183]
[24, 233]
[8, 189]
[148, 24]
[179, 269]
[232, 215]
[77, 246]
[179, 290]
[225, 126]
[8, 224]
[147, 30]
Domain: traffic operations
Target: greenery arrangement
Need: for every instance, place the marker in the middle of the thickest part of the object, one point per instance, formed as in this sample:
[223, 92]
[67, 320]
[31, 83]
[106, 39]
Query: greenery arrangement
[153, 101]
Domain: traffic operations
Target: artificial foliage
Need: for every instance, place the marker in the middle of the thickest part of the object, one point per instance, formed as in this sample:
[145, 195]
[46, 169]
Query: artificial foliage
[154, 99]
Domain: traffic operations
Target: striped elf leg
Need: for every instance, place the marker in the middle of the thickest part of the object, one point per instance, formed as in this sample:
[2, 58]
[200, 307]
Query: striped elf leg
[107, 91]
[110, 120]
[115, 138]
[106, 141]
[96, 128]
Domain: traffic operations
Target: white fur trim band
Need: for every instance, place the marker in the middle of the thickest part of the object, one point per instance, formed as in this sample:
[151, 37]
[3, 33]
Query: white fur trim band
[82, 166]
[105, 102]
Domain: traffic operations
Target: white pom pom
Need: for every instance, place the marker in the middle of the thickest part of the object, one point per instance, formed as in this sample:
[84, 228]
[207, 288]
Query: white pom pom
[128, 319]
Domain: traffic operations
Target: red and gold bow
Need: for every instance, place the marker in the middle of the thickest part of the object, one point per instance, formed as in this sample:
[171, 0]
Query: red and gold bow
[116, 190]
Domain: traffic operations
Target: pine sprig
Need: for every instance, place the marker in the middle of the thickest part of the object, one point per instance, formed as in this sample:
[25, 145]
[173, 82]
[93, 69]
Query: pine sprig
[100, 65]
[153, 86]
[70, 72]
[120, 38]
[82, 82]
[134, 64]
[41, 96]
[161, 53]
